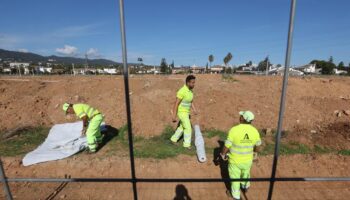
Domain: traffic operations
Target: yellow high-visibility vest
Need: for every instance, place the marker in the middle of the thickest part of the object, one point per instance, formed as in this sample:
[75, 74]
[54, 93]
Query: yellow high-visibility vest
[186, 97]
[241, 141]
[82, 110]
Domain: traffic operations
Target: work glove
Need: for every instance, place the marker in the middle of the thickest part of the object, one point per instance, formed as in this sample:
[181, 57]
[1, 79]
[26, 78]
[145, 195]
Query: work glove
[255, 156]
[224, 157]
[83, 132]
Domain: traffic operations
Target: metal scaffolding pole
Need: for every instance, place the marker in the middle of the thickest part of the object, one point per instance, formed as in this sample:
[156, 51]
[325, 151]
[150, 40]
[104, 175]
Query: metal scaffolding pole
[4, 182]
[179, 180]
[127, 97]
[283, 97]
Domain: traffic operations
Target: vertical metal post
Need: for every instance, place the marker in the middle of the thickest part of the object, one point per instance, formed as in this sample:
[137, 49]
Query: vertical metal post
[4, 182]
[283, 97]
[267, 67]
[127, 97]
[73, 69]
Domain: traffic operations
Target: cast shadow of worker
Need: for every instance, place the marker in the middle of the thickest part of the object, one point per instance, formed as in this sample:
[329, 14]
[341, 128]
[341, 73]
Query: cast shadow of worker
[181, 193]
[58, 189]
[108, 133]
[222, 164]
[224, 167]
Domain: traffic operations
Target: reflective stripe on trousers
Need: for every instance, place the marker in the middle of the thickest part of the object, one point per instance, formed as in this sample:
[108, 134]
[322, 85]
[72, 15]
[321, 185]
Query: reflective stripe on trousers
[183, 128]
[237, 171]
[93, 132]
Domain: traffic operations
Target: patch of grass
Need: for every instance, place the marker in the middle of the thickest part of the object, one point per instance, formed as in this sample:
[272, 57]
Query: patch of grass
[321, 150]
[268, 149]
[214, 132]
[286, 149]
[25, 142]
[158, 147]
[228, 78]
[118, 143]
[294, 148]
[344, 152]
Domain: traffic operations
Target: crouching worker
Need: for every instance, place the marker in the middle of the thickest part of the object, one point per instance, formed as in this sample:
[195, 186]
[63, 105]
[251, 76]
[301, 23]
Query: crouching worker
[92, 120]
[241, 143]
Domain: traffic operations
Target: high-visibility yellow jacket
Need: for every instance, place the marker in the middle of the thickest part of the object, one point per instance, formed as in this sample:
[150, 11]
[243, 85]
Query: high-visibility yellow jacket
[241, 141]
[82, 110]
[186, 97]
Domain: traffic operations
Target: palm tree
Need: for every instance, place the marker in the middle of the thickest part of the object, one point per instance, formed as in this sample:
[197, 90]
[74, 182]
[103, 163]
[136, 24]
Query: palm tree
[227, 59]
[211, 59]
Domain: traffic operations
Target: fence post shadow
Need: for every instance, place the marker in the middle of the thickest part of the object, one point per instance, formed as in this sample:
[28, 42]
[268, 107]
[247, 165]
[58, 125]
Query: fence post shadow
[58, 189]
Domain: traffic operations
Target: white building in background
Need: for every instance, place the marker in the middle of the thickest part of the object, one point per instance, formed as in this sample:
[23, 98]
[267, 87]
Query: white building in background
[247, 68]
[7, 70]
[19, 64]
[216, 69]
[292, 71]
[42, 69]
[110, 70]
[309, 69]
[339, 72]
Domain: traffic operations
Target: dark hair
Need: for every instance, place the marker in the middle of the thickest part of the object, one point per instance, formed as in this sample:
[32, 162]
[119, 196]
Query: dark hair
[190, 77]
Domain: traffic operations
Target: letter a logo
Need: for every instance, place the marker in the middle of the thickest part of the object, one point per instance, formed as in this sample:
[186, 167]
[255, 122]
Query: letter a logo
[246, 137]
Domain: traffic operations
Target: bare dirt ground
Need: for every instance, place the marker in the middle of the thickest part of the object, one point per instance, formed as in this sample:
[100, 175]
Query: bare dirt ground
[182, 167]
[310, 118]
[311, 102]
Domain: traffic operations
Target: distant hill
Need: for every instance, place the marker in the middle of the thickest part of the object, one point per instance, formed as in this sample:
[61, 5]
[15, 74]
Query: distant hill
[35, 58]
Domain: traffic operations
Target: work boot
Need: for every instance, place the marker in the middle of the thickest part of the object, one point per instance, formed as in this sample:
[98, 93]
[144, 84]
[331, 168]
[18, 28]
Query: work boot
[228, 193]
[89, 151]
[244, 189]
[188, 148]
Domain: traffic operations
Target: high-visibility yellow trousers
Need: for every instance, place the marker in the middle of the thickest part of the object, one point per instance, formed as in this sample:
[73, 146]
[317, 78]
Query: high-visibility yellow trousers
[241, 170]
[93, 132]
[183, 128]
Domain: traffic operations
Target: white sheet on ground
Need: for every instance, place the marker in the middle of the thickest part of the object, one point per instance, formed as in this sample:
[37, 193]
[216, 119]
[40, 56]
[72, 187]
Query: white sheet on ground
[64, 140]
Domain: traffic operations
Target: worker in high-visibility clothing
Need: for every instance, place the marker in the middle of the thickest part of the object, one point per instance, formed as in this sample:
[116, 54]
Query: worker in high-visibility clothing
[240, 149]
[182, 110]
[92, 120]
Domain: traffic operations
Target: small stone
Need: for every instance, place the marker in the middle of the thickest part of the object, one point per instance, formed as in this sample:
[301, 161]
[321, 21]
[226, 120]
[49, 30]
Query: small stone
[76, 97]
[298, 121]
[130, 93]
[313, 131]
[56, 106]
[63, 196]
[268, 131]
[337, 113]
[147, 85]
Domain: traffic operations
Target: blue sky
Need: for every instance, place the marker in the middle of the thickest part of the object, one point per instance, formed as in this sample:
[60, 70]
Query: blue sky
[183, 31]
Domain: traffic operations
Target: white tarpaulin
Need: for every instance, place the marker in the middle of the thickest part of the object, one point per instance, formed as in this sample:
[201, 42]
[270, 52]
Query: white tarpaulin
[200, 146]
[64, 140]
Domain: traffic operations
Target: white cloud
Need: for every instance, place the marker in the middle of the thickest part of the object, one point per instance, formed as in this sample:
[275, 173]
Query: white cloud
[67, 50]
[23, 50]
[93, 53]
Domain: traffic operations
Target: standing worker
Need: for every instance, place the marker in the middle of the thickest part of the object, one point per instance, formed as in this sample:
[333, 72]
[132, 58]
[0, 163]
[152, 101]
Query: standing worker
[92, 120]
[241, 143]
[182, 110]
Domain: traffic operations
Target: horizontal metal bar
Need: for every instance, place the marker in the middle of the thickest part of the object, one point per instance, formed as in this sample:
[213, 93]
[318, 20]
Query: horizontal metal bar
[150, 180]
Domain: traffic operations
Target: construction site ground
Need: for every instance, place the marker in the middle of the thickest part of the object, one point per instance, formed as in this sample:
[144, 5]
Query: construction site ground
[316, 117]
